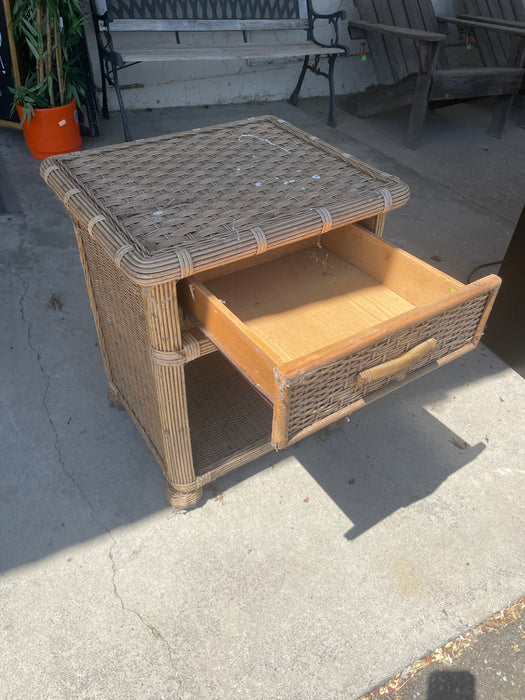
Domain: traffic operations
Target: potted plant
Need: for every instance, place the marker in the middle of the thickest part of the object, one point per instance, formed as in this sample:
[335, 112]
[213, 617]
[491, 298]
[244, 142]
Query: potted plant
[50, 31]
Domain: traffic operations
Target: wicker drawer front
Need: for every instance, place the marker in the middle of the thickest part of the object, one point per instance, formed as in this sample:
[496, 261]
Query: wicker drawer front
[325, 393]
[328, 328]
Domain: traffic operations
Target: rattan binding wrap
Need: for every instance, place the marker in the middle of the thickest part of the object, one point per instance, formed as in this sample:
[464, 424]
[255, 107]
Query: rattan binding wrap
[171, 206]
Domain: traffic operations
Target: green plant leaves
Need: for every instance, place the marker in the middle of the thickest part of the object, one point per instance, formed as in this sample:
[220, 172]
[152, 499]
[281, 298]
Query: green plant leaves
[54, 59]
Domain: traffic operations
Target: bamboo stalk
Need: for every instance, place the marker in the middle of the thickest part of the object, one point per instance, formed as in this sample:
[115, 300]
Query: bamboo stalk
[40, 60]
[58, 60]
[49, 59]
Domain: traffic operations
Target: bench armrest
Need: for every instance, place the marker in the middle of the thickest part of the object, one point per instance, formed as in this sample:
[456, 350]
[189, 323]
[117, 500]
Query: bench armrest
[103, 36]
[516, 29]
[401, 32]
[333, 18]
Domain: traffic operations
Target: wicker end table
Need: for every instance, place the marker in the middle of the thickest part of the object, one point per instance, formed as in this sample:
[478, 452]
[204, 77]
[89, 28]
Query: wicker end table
[242, 237]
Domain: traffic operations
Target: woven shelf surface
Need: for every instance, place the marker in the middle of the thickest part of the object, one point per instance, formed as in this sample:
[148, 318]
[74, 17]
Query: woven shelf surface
[229, 419]
[170, 206]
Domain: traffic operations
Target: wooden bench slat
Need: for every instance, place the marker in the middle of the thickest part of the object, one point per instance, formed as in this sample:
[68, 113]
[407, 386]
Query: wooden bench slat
[245, 51]
[477, 82]
[205, 25]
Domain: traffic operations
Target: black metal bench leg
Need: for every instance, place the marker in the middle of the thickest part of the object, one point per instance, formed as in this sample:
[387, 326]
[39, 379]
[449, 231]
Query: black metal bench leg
[125, 127]
[331, 111]
[105, 110]
[295, 94]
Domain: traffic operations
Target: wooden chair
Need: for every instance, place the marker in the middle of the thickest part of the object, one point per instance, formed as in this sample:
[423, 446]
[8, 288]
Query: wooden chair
[407, 44]
[509, 14]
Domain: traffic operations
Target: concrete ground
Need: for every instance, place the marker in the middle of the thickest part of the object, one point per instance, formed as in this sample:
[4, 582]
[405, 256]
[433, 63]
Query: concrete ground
[318, 572]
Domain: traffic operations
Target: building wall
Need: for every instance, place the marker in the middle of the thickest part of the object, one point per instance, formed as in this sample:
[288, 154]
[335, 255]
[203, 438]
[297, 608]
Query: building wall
[175, 84]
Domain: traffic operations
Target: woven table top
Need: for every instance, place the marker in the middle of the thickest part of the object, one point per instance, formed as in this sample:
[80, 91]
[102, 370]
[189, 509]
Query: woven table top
[170, 206]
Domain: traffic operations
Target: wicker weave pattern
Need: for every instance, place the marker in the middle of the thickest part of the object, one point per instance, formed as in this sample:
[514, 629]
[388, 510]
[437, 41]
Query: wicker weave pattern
[120, 312]
[318, 394]
[178, 204]
[221, 402]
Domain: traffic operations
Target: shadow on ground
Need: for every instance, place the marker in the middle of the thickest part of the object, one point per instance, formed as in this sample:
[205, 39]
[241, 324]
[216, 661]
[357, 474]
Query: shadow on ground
[389, 455]
[73, 469]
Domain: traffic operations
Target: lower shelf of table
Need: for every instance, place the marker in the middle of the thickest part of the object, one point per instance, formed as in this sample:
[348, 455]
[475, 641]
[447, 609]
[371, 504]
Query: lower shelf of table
[230, 422]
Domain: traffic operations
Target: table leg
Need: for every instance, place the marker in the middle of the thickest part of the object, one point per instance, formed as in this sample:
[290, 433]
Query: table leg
[183, 489]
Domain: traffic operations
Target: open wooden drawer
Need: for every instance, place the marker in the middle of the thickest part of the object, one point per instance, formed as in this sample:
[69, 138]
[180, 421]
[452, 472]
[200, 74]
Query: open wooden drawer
[336, 323]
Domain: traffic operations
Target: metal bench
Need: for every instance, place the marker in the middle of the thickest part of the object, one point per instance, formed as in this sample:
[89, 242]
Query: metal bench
[246, 19]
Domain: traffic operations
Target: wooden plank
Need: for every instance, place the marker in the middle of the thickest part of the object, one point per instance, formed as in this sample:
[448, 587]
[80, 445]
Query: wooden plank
[415, 17]
[513, 11]
[518, 10]
[477, 82]
[505, 10]
[505, 13]
[494, 21]
[205, 25]
[414, 280]
[248, 352]
[377, 44]
[243, 51]
[494, 8]
[474, 24]
[499, 43]
[488, 44]
[429, 54]
[413, 12]
[392, 44]
[214, 53]
[428, 14]
[408, 47]
[400, 32]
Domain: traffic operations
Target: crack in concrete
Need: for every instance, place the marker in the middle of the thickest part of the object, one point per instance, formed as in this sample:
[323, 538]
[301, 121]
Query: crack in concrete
[38, 356]
[157, 634]
[154, 631]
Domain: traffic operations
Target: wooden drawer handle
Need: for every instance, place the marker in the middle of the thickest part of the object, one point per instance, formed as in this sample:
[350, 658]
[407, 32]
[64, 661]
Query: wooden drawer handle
[406, 361]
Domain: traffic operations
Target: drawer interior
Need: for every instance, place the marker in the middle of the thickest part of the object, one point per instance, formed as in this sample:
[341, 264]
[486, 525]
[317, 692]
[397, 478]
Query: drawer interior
[304, 301]
[342, 284]
[347, 302]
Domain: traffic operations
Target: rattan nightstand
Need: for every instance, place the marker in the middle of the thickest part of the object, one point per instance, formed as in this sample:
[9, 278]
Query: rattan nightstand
[264, 242]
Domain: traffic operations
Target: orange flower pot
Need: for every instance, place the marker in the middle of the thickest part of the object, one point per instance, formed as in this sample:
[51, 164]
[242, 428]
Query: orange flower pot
[52, 130]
